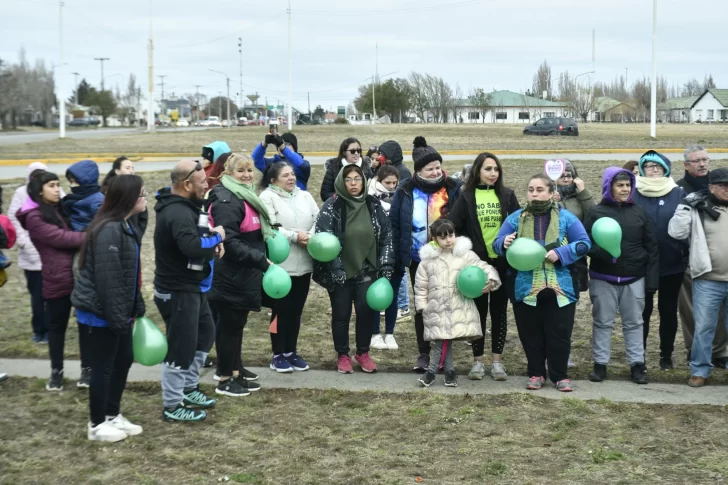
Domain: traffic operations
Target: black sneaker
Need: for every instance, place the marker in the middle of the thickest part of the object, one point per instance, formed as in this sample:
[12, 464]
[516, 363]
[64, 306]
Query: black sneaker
[666, 363]
[423, 361]
[720, 362]
[247, 375]
[232, 387]
[85, 381]
[639, 373]
[427, 379]
[55, 383]
[250, 385]
[208, 362]
[198, 399]
[451, 380]
[599, 373]
[182, 414]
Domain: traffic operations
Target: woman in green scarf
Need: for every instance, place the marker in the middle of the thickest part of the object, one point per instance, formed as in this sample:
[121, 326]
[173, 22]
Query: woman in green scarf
[365, 234]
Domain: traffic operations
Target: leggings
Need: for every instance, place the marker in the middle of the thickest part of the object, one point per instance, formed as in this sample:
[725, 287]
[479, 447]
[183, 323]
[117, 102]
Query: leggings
[497, 301]
[111, 358]
[230, 341]
[667, 300]
[59, 311]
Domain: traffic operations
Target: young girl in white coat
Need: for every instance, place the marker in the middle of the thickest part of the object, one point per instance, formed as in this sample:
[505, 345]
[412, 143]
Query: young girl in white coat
[448, 315]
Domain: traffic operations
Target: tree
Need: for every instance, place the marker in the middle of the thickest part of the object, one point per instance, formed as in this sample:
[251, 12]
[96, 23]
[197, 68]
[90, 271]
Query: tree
[103, 102]
[542, 80]
[708, 82]
[418, 98]
[392, 98]
[83, 89]
[218, 107]
[692, 88]
[481, 101]
[319, 113]
[581, 101]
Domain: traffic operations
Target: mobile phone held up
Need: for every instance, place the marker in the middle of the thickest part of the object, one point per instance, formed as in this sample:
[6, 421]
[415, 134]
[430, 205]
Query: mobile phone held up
[273, 128]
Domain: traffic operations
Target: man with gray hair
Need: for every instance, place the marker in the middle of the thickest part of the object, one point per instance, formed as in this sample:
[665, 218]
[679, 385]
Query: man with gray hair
[697, 172]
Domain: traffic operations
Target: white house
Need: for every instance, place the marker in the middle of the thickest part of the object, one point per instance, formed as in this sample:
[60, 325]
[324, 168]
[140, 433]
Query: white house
[711, 106]
[508, 107]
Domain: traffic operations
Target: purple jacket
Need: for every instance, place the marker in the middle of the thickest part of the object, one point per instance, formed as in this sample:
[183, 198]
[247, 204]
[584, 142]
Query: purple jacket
[56, 247]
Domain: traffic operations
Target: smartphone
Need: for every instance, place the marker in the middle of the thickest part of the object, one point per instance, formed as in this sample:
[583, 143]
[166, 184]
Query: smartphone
[273, 128]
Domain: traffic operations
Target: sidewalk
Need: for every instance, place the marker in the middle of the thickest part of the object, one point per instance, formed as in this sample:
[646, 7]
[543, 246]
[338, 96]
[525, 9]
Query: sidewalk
[616, 391]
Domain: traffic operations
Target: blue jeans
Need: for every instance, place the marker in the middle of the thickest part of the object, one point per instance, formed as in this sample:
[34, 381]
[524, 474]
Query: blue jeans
[390, 314]
[403, 295]
[708, 299]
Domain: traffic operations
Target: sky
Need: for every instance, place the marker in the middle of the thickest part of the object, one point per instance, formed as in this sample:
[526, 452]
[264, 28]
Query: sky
[475, 43]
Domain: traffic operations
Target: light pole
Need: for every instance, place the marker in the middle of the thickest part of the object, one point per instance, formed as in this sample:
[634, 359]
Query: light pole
[61, 98]
[290, 78]
[653, 91]
[101, 60]
[150, 67]
[240, 51]
[75, 83]
[228, 92]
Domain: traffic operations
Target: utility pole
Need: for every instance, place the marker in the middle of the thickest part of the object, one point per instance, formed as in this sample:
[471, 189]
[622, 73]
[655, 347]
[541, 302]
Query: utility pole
[139, 106]
[653, 93]
[161, 78]
[101, 60]
[150, 62]
[228, 93]
[197, 87]
[75, 81]
[219, 103]
[240, 51]
[290, 67]
[309, 105]
[61, 97]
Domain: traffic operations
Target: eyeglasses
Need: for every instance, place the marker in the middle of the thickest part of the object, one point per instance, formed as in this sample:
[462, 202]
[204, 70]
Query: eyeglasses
[699, 160]
[355, 179]
[651, 167]
[566, 176]
[197, 168]
[354, 151]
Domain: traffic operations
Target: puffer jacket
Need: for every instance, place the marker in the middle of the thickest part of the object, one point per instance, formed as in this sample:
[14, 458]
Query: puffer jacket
[579, 204]
[332, 167]
[447, 314]
[687, 224]
[295, 212]
[85, 200]
[108, 283]
[332, 218]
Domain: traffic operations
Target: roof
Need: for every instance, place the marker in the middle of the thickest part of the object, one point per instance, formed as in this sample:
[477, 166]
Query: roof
[721, 95]
[605, 103]
[685, 102]
[510, 99]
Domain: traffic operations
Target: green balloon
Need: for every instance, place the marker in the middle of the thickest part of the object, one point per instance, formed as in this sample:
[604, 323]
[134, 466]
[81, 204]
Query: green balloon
[148, 342]
[276, 282]
[278, 247]
[471, 281]
[324, 247]
[380, 295]
[525, 254]
[607, 233]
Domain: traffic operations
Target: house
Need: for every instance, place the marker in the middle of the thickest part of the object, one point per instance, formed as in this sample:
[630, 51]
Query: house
[611, 110]
[711, 106]
[676, 110]
[507, 107]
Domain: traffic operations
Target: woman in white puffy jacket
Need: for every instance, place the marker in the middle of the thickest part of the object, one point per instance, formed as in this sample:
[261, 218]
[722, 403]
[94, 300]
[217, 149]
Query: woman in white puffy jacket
[296, 211]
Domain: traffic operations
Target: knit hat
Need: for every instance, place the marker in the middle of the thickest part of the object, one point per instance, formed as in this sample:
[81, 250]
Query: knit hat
[422, 154]
[392, 150]
[291, 138]
[653, 156]
[569, 167]
[718, 176]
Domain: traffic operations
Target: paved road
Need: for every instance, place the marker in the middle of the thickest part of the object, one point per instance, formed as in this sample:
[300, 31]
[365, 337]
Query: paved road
[80, 134]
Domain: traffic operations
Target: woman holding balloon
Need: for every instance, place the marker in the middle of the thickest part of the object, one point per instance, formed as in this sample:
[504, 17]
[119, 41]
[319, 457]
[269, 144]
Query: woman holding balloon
[542, 242]
[365, 237]
[107, 296]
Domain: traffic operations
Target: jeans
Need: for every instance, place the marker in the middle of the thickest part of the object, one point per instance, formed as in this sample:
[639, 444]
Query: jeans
[441, 356]
[399, 303]
[229, 342]
[390, 316]
[59, 311]
[709, 298]
[667, 298]
[403, 301]
[39, 321]
[687, 318]
[341, 298]
[111, 359]
[608, 299]
[288, 311]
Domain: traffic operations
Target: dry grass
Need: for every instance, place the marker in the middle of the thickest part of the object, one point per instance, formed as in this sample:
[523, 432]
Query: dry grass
[443, 137]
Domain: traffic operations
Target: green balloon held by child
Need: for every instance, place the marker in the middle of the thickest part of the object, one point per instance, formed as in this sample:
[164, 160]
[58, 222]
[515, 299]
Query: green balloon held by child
[471, 280]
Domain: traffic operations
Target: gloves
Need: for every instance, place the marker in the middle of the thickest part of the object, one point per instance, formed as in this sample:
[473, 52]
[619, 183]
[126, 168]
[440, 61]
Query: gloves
[277, 140]
[339, 277]
[386, 272]
[269, 139]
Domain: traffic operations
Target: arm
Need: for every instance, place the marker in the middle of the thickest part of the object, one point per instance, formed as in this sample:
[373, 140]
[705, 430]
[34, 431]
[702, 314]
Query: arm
[22, 235]
[420, 290]
[652, 279]
[258, 156]
[578, 243]
[394, 219]
[490, 271]
[386, 246]
[188, 239]
[681, 225]
[140, 221]
[508, 227]
[228, 215]
[108, 272]
[327, 186]
[53, 235]
[292, 157]
[325, 223]
[586, 200]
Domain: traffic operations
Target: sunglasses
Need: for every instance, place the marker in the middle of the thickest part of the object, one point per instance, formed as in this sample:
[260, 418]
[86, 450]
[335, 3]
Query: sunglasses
[197, 168]
[355, 151]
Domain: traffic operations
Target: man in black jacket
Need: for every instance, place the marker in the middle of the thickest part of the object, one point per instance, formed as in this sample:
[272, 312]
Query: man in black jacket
[182, 276]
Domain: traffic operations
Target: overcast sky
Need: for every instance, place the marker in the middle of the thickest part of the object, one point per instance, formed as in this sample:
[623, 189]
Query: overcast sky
[476, 43]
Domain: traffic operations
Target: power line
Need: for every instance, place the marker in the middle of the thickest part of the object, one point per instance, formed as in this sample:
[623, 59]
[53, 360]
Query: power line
[419, 8]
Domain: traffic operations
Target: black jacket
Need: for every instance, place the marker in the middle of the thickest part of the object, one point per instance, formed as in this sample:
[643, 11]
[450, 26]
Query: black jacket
[239, 274]
[176, 240]
[332, 167]
[108, 283]
[332, 218]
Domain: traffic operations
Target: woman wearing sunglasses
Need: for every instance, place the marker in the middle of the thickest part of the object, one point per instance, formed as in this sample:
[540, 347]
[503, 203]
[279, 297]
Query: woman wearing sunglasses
[350, 152]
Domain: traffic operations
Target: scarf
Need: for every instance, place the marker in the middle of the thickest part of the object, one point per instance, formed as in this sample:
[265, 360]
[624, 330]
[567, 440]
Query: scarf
[566, 191]
[360, 244]
[247, 193]
[698, 183]
[655, 187]
[527, 221]
[429, 186]
[283, 192]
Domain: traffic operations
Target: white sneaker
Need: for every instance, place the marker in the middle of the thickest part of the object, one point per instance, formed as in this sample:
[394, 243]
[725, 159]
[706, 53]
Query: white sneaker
[403, 314]
[378, 342]
[498, 372]
[570, 364]
[123, 424]
[216, 377]
[105, 432]
[390, 342]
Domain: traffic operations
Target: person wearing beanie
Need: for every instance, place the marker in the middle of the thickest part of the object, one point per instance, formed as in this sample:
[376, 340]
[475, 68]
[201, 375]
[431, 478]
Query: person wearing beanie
[85, 198]
[214, 157]
[659, 195]
[702, 219]
[286, 151]
[350, 152]
[392, 153]
[418, 202]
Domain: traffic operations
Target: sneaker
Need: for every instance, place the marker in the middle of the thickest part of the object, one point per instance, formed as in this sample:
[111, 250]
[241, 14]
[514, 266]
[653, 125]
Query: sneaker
[639, 373]
[366, 362]
[423, 362]
[3, 376]
[403, 314]
[36, 338]
[666, 363]
[248, 375]
[390, 342]
[720, 362]
[477, 372]
[44, 340]
[297, 362]
[498, 372]
[55, 383]
[198, 399]
[232, 387]
[599, 373]
[85, 381]
[427, 379]
[216, 377]
[570, 364]
[451, 380]
[250, 385]
[343, 364]
[564, 385]
[696, 381]
[377, 342]
[535, 383]
[121, 423]
[181, 414]
[105, 432]
[208, 362]
[280, 364]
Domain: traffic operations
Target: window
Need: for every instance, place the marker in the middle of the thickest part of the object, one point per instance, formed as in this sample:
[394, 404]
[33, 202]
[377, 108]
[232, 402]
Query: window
[473, 115]
[698, 114]
[501, 116]
[540, 122]
[524, 115]
[549, 114]
[710, 115]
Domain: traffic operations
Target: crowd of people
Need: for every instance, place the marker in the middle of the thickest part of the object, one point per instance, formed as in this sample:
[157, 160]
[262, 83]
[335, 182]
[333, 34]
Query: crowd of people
[83, 250]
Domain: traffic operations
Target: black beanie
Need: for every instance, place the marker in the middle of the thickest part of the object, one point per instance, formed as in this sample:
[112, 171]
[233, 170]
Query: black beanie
[291, 138]
[392, 151]
[422, 154]
[208, 154]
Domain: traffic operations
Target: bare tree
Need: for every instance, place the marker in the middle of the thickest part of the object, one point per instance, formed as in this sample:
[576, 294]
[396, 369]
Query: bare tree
[418, 96]
[481, 101]
[542, 81]
[582, 101]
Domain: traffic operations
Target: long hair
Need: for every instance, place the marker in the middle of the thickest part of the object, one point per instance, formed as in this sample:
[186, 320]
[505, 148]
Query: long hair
[345, 145]
[112, 173]
[272, 172]
[121, 197]
[474, 180]
[51, 213]
[218, 168]
[387, 171]
[441, 228]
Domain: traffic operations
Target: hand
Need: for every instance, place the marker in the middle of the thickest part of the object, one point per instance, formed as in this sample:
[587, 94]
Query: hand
[339, 277]
[488, 286]
[220, 251]
[386, 272]
[509, 240]
[579, 185]
[302, 238]
[557, 197]
[552, 256]
[268, 140]
[220, 230]
[277, 140]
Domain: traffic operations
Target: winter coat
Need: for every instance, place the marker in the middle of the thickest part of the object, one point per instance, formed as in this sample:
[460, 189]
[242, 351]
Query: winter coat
[301, 167]
[639, 256]
[295, 212]
[401, 214]
[393, 151]
[687, 224]
[692, 184]
[239, 273]
[579, 204]
[7, 233]
[332, 218]
[86, 199]
[108, 283]
[332, 167]
[379, 192]
[447, 314]
[56, 247]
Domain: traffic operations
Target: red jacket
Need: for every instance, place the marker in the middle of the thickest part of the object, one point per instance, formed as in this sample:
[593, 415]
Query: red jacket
[56, 247]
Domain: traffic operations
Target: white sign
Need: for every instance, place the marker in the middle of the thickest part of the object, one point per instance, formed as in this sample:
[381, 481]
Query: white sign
[554, 169]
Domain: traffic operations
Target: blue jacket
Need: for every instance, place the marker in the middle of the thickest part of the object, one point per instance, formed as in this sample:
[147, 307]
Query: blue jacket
[301, 167]
[85, 200]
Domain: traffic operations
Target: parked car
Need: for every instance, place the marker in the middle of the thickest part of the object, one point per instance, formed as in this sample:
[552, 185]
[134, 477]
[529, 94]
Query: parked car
[242, 121]
[79, 122]
[553, 127]
[183, 123]
[213, 121]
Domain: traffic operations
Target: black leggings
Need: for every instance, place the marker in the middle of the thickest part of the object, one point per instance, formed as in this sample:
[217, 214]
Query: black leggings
[497, 301]
[230, 339]
[667, 300]
[288, 311]
[342, 297]
[59, 310]
[111, 358]
[422, 345]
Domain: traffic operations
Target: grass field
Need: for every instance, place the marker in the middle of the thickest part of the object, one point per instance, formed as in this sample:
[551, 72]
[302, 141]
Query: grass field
[443, 137]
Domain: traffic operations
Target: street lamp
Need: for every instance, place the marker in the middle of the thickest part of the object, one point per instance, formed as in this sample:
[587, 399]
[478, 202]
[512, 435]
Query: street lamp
[228, 93]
